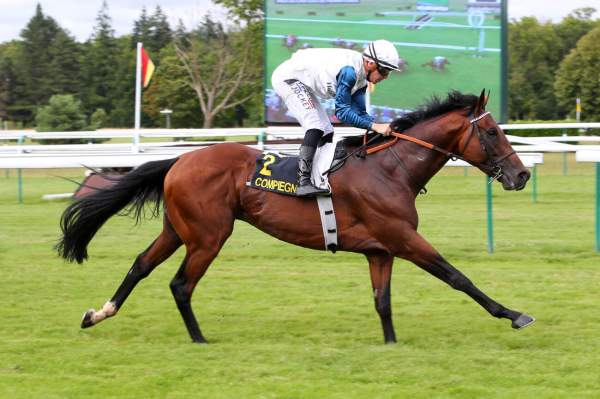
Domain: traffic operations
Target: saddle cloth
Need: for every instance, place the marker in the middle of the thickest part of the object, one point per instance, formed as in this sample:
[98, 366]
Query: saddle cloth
[278, 173]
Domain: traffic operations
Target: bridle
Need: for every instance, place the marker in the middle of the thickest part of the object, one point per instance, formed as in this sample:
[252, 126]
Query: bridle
[491, 166]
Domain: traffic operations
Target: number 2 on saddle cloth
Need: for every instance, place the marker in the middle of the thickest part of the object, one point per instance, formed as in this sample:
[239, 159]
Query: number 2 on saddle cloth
[276, 174]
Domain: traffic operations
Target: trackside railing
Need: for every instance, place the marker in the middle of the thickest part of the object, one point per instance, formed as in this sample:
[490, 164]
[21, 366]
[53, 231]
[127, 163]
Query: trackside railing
[132, 153]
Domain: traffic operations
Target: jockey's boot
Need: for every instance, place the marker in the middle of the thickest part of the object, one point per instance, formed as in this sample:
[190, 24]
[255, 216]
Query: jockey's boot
[305, 186]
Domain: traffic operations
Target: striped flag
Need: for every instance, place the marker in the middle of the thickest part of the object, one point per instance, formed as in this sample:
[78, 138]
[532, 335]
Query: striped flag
[147, 68]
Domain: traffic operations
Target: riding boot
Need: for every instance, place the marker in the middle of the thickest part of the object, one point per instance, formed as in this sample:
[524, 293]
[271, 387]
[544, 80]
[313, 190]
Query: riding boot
[305, 186]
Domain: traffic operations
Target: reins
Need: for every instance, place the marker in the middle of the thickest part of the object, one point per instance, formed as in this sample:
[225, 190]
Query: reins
[495, 170]
[422, 143]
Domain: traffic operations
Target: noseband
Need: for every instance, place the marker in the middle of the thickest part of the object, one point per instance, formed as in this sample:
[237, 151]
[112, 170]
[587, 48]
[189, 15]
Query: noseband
[492, 166]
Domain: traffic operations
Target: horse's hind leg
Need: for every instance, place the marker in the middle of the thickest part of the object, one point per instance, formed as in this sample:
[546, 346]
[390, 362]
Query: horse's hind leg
[420, 252]
[201, 251]
[163, 247]
[380, 266]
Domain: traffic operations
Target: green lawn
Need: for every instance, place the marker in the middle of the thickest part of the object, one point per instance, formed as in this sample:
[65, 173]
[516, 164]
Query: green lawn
[286, 322]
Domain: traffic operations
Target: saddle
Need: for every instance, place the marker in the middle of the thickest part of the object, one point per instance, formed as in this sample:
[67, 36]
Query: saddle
[278, 173]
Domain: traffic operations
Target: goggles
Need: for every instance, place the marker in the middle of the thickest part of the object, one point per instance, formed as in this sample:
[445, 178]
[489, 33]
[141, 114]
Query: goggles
[383, 71]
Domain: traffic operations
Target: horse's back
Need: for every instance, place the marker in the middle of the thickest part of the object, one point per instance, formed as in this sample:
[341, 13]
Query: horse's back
[212, 173]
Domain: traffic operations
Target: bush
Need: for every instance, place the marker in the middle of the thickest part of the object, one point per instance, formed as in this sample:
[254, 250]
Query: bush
[98, 119]
[64, 113]
[549, 132]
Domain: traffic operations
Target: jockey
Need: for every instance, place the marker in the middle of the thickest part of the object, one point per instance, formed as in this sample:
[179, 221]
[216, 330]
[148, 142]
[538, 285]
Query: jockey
[331, 73]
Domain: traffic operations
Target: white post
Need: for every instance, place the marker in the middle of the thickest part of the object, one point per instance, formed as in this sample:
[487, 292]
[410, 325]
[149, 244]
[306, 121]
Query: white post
[481, 47]
[138, 98]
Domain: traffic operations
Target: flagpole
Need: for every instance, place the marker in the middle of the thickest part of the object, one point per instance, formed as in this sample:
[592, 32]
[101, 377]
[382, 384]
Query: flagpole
[138, 97]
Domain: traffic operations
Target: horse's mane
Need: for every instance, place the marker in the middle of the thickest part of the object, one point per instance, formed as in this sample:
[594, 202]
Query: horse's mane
[434, 107]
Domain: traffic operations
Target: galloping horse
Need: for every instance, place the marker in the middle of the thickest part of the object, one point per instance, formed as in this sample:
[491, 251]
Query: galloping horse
[204, 191]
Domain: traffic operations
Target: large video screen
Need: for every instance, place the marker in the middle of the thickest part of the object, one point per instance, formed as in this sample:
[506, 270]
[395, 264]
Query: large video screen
[444, 45]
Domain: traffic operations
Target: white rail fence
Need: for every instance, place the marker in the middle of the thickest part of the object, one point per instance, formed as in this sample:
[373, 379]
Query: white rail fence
[129, 154]
[21, 156]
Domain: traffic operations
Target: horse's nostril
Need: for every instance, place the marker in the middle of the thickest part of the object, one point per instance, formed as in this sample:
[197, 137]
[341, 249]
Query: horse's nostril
[522, 178]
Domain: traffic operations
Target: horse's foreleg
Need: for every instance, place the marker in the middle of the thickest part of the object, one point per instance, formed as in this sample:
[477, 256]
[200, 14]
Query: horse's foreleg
[420, 252]
[380, 267]
[163, 247]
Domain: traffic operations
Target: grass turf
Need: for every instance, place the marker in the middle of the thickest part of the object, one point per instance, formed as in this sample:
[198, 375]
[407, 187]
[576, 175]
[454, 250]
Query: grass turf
[286, 322]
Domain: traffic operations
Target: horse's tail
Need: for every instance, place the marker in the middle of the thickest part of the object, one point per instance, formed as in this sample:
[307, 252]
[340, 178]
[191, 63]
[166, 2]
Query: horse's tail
[84, 217]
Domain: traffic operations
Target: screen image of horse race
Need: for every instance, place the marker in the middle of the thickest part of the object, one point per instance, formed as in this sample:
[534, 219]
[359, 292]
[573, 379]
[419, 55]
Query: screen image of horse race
[443, 44]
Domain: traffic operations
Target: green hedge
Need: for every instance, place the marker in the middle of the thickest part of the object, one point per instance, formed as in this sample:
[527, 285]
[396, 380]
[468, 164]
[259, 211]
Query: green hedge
[550, 132]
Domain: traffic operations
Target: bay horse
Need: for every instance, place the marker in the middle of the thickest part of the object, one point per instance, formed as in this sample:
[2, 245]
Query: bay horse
[204, 191]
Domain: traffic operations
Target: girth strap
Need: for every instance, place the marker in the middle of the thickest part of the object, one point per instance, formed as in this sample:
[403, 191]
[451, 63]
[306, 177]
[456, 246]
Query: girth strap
[328, 222]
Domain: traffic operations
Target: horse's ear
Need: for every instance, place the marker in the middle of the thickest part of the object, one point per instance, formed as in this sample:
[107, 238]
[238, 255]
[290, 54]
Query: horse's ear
[480, 103]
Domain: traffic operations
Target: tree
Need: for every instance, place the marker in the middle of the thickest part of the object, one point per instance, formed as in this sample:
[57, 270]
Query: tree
[534, 56]
[98, 119]
[574, 27]
[123, 90]
[64, 113]
[169, 89]
[584, 13]
[160, 31]
[12, 89]
[7, 84]
[219, 66]
[153, 31]
[65, 64]
[99, 66]
[180, 32]
[47, 63]
[248, 11]
[577, 77]
[141, 29]
[34, 59]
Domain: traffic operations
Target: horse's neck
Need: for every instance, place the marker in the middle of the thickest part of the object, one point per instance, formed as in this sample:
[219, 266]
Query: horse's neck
[423, 163]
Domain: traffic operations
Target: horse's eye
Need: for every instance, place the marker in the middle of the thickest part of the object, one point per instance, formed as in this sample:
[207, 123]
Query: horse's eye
[492, 132]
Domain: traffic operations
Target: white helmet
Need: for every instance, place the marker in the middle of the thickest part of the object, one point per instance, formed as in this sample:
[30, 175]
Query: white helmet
[384, 54]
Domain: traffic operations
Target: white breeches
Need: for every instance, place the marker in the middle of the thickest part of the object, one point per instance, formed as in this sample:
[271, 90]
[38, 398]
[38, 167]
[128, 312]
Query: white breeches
[301, 101]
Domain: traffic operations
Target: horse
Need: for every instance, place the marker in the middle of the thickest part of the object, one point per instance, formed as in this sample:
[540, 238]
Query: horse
[437, 63]
[204, 191]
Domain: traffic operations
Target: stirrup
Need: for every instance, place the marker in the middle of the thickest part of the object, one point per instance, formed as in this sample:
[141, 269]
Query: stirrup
[309, 190]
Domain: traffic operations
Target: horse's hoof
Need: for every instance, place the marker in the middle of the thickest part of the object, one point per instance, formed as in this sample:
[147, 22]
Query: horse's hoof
[87, 320]
[198, 339]
[522, 321]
